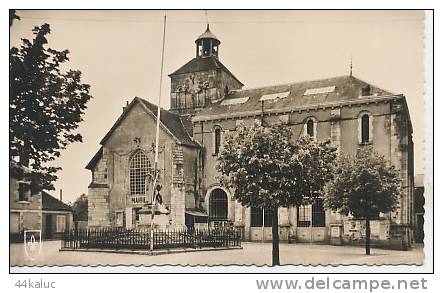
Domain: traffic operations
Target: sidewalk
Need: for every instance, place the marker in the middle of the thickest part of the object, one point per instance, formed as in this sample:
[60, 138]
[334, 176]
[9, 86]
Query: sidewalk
[252, 254]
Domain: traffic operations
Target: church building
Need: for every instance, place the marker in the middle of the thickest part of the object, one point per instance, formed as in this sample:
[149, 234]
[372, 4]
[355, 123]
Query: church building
[206, 102]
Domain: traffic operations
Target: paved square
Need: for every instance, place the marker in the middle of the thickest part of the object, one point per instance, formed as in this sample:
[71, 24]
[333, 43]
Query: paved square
[251, 254]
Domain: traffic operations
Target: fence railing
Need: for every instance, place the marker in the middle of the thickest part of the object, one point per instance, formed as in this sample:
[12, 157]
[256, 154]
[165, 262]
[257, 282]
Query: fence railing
[140, 238]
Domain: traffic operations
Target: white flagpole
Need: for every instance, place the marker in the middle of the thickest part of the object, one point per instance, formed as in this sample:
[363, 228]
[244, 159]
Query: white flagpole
[157, 136]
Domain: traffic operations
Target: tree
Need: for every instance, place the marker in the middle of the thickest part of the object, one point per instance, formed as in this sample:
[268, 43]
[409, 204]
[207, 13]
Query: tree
[80, 208]
[363, 186]
[268, 170]
[46, 105]
[12, 15]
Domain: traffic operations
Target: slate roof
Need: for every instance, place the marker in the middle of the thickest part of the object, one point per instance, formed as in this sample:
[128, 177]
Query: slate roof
[50, 203]
[171, 121]
[347, 88]
[98, 155]
[203, 64]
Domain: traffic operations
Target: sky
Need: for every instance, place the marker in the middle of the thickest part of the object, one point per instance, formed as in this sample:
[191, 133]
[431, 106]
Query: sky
[119, 55]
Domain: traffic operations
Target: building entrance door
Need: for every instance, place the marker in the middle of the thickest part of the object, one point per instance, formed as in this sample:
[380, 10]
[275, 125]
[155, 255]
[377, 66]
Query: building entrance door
[49, 231]
[311, 222]
[218, 208]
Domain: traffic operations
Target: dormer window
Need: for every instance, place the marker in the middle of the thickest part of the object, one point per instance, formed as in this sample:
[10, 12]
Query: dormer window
[366, 90]
[320, 90]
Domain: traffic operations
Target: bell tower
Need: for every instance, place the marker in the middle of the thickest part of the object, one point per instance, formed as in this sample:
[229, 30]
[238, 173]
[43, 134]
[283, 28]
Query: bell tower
[202, 81]
[207, 44]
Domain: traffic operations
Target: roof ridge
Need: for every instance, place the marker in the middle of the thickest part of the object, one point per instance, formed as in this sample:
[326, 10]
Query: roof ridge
[172, 130]
[212, 61]
[296, 82]
[146, 101]
[61, 204]
[178, 69]
[374, 85]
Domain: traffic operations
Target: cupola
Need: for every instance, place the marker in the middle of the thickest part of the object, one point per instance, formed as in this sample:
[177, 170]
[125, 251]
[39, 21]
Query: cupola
[207, 44]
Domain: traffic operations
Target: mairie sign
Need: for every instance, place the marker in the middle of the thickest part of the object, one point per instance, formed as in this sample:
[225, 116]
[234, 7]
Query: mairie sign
[138, 199]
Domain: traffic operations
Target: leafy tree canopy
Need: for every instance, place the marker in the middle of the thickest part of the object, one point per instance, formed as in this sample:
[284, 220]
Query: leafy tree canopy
[363, 186]
[268, 169]
[12, 16]
[46, 105]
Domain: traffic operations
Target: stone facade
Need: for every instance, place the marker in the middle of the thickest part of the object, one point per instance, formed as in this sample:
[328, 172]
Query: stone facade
[195, 90]
[109, 193]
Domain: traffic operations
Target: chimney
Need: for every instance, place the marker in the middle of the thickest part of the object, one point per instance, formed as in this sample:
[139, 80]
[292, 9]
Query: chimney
[124, 108]
[61, 194]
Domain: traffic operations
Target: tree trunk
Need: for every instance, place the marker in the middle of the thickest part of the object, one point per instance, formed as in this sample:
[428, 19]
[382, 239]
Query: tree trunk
[368, 237]
[24, 156]
[275, 239]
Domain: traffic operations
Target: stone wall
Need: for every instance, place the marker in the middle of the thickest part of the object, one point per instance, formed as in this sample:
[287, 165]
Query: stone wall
[98, 206]
[178, 188]
[401, 152]
[98, 195]
[196, 90]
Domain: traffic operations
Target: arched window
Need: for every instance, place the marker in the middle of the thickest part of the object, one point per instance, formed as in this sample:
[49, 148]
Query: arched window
[139, 168]
[217, 139]
[310, 127]
[218, 205]
[365, 128]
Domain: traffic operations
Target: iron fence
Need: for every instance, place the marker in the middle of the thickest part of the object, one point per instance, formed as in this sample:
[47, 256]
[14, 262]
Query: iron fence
[140, 238]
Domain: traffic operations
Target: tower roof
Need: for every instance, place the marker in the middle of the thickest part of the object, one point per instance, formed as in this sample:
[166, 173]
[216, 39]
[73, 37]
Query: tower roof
[203, 64]
[208, 35]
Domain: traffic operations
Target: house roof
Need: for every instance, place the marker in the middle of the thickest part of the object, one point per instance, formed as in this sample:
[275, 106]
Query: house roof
[298, 94]
[50, 203]
[98, 155]
[203, 64]
[173, 123]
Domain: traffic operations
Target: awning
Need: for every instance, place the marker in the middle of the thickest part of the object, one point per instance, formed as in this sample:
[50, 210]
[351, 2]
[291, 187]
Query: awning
[196, 213]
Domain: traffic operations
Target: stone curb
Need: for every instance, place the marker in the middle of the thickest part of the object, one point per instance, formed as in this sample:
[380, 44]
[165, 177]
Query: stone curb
[147, 252]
